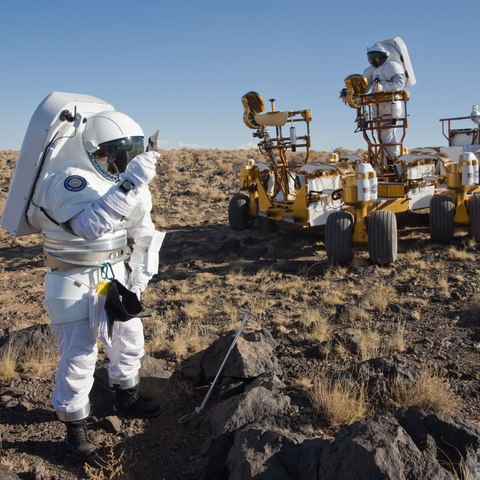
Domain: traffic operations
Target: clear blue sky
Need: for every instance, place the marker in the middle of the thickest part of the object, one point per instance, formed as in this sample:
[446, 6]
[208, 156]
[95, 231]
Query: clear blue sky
[182, 66]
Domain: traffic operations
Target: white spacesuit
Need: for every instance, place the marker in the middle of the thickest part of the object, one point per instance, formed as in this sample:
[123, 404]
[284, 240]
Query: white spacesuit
[390, 70]
[91, 189]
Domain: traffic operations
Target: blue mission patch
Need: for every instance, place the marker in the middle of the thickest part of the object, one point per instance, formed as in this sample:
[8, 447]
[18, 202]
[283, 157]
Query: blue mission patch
[75, 183]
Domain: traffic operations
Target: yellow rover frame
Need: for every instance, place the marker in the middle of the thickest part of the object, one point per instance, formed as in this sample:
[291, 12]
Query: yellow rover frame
[411, 182]
[293, 207]
[393, 186]
[449, 182]
[463, 205]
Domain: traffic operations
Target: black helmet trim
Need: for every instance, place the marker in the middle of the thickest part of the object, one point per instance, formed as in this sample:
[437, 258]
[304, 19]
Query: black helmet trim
[116, 155]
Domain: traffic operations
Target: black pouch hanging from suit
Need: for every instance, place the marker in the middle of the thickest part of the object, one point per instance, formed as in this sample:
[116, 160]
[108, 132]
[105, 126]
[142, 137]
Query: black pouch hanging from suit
[122, 305]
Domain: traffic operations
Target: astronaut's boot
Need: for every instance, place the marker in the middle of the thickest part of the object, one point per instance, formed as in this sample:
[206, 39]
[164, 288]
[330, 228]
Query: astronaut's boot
[79, 442]
[130, 403]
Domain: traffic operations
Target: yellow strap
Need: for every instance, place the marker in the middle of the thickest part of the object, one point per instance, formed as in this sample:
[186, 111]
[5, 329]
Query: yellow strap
[102, 287]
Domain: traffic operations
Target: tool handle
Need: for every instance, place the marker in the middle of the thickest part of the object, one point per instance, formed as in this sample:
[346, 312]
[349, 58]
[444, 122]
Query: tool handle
[245, 319]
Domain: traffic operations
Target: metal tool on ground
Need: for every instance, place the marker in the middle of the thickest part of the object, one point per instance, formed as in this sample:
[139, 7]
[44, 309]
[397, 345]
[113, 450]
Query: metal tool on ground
[199, 410]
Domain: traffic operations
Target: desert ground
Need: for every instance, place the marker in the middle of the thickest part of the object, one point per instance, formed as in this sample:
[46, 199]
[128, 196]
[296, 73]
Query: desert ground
[423, 307]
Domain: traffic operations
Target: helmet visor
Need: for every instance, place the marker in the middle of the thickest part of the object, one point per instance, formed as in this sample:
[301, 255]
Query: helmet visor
[376, 59]
[113, 157]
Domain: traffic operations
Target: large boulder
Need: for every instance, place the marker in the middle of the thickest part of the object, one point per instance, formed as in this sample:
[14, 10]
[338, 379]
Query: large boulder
[38, 338]
[275, 446]
[376, 448]
[453, 440]
[251, 357]
[244, 409]
[273, 455]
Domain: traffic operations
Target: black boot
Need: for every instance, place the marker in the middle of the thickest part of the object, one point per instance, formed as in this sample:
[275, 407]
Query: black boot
[79, 442]
[130, 403]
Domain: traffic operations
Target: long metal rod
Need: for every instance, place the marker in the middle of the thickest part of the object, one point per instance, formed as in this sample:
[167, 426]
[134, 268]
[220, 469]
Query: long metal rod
[199, 410]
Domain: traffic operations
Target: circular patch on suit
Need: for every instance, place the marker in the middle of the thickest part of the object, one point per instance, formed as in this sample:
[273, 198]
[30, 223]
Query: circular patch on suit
[75, 183]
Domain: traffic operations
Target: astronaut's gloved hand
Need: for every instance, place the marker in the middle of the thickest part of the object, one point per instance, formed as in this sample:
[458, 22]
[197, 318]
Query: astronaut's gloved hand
[137, 290]
[139, 284]
[141, 170]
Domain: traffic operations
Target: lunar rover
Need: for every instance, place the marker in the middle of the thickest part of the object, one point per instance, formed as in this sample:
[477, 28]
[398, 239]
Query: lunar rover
[355, 196]
[456, 202]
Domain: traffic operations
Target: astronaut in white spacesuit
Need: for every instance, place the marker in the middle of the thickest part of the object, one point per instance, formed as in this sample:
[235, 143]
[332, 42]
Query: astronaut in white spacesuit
[88, 208]
[385, 74]
[81, 179]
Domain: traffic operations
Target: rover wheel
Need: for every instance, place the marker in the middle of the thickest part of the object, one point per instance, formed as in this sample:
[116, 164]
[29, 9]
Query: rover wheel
[474, 217]
[238, 212]
[382, 237]
[338, 237]
[442, 213]
[267, 224]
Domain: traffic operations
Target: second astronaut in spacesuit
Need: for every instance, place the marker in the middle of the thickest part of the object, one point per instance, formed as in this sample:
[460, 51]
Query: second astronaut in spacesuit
[385, 74]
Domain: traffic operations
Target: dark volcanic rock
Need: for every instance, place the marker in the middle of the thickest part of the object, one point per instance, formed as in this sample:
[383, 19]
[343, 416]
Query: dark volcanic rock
[379, 373]
[7, 474]
[273, 455]
[251, 357]
[246, 408]
[454, 441]
[39, 338]
[376, 448]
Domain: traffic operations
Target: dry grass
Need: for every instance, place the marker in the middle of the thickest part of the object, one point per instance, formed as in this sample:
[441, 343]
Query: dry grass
[353, 314]
[8, 363]
[443, 285]
[380, 296]
[412, 256]
[316, 324]
[37, 361]
[407, 274]
[338, 403]
[429, 392]
[370, 344]
[259, 305]
[319, 330]
[195, 310]
[111, 466]
[460, 255]
[157, 327]
[335, 271]
[304, 383]
[333, 297]
[236, 276]
[290, 288]
[187, 339]
[397, 340]
[189, 308]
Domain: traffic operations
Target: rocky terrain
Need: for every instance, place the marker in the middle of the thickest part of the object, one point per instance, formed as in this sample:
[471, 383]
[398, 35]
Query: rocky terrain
[351, 365]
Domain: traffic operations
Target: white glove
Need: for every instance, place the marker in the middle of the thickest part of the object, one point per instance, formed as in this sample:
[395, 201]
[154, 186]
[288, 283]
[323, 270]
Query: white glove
[141, 170]
[137, 290]
[139, 278]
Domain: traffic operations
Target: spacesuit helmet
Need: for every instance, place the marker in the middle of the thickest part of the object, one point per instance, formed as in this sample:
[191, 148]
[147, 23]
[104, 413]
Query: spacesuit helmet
[377, 55]
[112, 140]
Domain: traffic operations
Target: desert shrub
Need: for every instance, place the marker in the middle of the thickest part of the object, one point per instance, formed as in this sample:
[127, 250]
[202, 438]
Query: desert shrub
[111, 466]
[338, 403]
[380, 296]
[460, 255]
[8, 363]
[429, 392]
